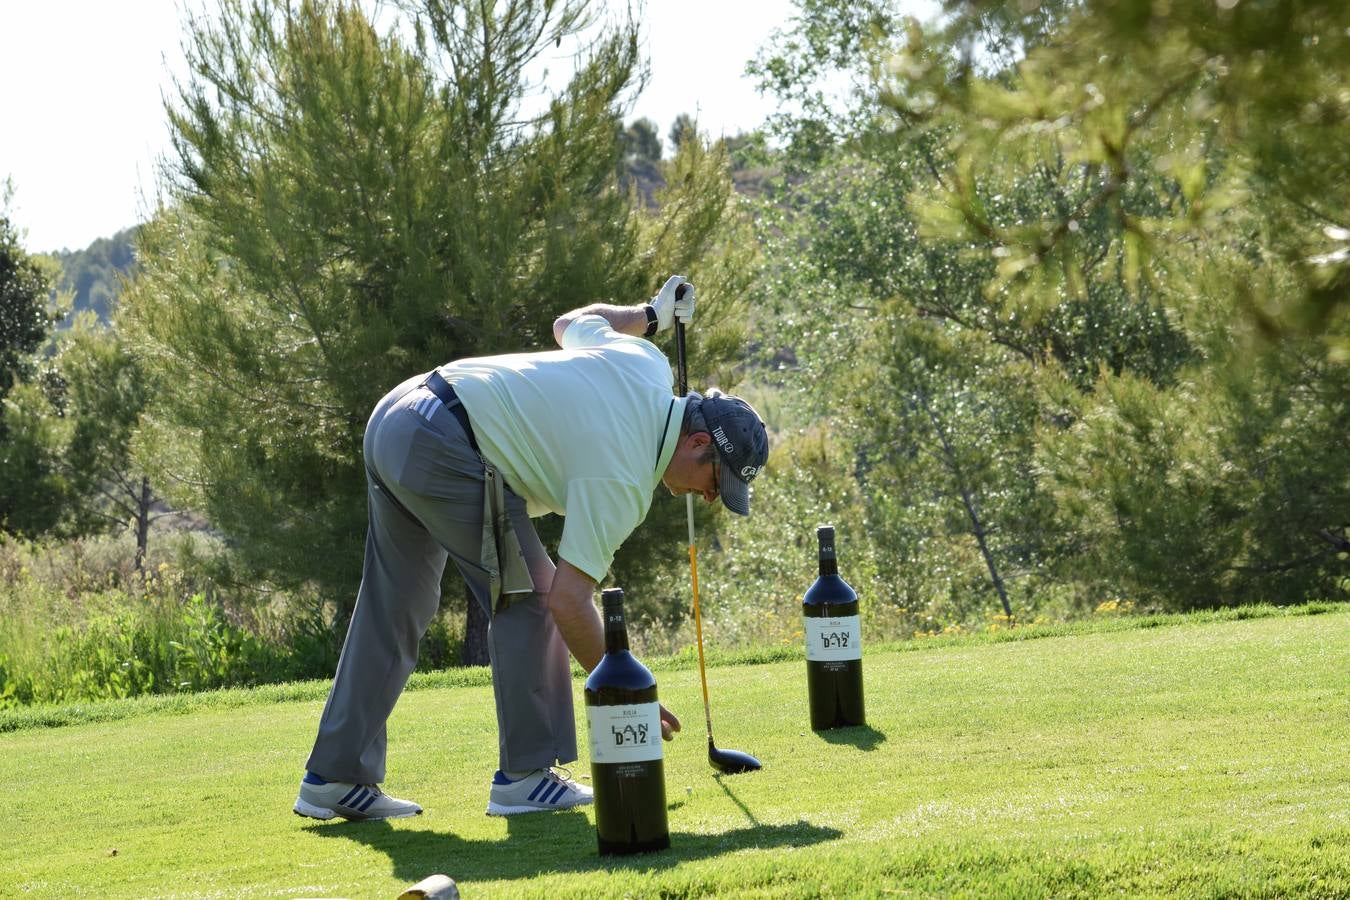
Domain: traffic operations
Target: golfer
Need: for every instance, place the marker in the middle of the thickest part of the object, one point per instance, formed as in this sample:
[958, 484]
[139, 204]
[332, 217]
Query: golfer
[458, 460]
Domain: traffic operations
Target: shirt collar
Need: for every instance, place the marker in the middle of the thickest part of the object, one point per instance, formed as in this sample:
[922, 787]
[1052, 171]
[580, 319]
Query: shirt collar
[670, 434]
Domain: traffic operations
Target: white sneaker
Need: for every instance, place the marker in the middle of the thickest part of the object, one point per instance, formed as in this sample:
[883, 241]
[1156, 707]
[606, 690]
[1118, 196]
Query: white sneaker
[321, 799]
[542, 789]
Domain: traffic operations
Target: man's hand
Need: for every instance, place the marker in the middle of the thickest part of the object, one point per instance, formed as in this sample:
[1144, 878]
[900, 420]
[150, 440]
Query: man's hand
[670, 723]
[669, 308]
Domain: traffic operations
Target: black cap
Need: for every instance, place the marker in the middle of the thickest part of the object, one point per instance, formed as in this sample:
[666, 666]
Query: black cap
[742, 446]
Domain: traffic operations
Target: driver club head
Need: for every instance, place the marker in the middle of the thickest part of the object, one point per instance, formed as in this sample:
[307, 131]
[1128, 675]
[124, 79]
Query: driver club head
[731, 762]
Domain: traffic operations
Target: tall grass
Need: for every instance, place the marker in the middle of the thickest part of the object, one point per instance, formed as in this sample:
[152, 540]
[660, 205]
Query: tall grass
[76, 623]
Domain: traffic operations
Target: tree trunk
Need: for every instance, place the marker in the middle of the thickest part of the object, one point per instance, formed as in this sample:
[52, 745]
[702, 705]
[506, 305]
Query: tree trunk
[994, 576]
[475, 649]
[142, 525]
[968, 502]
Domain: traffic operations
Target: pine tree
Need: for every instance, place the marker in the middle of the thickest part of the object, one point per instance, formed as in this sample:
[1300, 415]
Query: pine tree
[353, 206]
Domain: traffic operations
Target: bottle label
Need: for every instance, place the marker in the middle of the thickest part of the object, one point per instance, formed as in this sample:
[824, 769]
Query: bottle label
[625, 734]
[833, 639]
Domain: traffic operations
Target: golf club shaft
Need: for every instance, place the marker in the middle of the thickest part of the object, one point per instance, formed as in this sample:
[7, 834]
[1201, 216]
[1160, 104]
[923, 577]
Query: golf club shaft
[682, 373]
[681, 369]
[698, 617]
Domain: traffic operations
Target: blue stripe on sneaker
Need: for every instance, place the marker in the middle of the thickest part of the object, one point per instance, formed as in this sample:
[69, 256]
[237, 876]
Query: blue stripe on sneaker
[556, 795]
[356, 789]
[371, 799]
[543, 782]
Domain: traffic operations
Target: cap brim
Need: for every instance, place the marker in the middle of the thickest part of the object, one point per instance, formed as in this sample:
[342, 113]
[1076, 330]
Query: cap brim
[735, 492]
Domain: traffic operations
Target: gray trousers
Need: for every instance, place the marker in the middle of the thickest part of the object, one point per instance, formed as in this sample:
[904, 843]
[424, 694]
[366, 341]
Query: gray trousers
[425, 491]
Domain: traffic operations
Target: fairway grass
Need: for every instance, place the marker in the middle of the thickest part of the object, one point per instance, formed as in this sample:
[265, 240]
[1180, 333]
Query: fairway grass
[1200, 760]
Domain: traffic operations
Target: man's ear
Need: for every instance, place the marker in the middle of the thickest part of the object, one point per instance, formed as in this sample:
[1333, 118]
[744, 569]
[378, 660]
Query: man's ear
[699, 439]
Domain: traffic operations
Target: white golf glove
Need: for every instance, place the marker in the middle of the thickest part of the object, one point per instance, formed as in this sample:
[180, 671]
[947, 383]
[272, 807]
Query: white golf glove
[668, 309]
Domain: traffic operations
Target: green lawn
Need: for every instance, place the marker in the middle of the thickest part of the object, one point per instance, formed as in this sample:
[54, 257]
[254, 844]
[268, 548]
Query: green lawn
[1199, 759]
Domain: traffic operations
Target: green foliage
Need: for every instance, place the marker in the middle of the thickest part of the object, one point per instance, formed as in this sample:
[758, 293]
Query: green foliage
[641, 170]
[75, 625]
[25, 315]
[33, 489]
[949, 457]
[134, 645]
[1012, 259]
[30, 391]
[356, 207]
[69, 470]
[941, 426]
[828, 42]
[1228, 110]
[1217, 492]
[108, 390]
[750, 154]
[65, 429]
[142, 649]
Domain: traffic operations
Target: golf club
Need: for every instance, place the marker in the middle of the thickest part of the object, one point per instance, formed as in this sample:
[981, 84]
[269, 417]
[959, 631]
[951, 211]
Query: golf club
[731, 762]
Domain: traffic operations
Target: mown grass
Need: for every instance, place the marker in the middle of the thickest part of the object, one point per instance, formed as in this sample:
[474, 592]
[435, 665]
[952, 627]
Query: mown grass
[1207, 759]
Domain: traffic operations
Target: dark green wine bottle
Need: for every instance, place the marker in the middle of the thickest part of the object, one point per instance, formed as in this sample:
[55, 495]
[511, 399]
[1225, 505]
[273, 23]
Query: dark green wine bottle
[833, 630]
[627, 768]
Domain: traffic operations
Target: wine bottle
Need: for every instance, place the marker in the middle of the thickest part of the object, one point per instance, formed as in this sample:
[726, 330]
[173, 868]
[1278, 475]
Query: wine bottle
[833, 632]
[624, 720]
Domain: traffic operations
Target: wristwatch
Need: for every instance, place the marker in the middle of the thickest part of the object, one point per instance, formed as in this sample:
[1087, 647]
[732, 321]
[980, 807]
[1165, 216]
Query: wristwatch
[651, 319]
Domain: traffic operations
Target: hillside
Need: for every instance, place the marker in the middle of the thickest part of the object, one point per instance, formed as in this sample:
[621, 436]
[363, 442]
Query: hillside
[94, 274]
[1202, 758]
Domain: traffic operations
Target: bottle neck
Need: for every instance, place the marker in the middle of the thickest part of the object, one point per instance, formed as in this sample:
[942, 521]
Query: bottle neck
[829, 563]
[616, 629]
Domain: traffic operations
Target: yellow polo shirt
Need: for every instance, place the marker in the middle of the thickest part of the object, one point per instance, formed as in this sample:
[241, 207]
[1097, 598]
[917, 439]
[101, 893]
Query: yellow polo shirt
[584, 432]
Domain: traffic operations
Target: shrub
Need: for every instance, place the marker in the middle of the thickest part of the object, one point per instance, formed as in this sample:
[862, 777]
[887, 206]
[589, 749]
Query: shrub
[75, 625]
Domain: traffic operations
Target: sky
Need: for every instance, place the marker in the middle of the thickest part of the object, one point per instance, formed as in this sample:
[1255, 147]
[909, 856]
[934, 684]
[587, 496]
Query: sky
[83, 123]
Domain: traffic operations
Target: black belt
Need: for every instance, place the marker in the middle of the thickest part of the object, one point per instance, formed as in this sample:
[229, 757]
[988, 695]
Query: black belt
[445, 392]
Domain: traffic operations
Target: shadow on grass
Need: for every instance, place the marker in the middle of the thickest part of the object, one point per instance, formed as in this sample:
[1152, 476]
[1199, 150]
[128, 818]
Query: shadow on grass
[737, 800]
[534, 845]
[864, 737]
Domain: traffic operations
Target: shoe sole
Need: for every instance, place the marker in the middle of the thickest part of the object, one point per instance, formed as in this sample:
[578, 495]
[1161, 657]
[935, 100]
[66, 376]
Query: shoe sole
[324, 814]
[497, 809]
